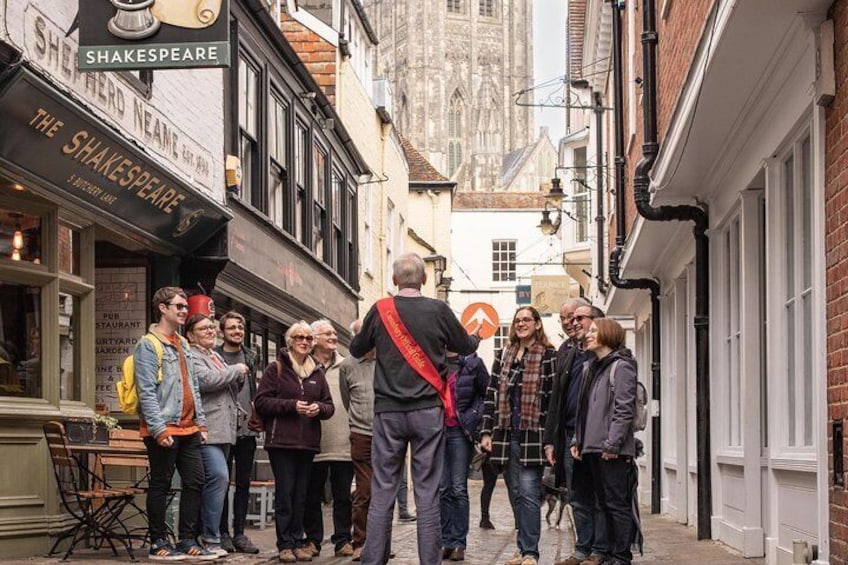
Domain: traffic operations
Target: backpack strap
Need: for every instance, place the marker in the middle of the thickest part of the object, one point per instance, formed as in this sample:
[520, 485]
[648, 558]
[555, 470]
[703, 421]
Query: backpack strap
[613, 370]
[157, 345]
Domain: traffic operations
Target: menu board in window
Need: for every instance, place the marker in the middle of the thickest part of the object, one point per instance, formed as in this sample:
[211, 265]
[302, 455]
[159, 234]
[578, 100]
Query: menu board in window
[120, 321]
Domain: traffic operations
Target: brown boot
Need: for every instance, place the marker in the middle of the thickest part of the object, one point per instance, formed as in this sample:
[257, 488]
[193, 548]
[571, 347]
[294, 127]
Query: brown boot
[357, 554]
[571, 560]
[287, 556]
[457, 554]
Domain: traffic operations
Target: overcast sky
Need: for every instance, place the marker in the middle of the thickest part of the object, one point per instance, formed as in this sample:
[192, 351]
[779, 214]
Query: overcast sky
[549, 62]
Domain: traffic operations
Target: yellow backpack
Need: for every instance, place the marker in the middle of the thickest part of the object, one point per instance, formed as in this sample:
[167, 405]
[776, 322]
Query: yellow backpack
[127, 392]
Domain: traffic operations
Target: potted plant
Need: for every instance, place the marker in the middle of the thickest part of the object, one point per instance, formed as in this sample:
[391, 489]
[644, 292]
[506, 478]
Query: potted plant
[91, 430]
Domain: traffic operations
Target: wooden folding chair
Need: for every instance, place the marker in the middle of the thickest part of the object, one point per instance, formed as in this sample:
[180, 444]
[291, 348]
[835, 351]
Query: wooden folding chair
[97, 511]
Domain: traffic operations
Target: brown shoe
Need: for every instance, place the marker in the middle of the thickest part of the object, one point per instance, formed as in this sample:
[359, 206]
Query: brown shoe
[457, 554]
[303, 554]
[571, 560]
[446, 552]
[593, 560]
[313, 548]
[345, 551]
[357, 554]
[287, 556]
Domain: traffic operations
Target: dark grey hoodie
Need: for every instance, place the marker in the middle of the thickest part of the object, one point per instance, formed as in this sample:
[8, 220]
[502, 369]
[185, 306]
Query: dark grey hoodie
[605, 414]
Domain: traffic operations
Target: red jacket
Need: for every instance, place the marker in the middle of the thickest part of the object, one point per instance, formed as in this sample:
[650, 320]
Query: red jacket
[277, 397]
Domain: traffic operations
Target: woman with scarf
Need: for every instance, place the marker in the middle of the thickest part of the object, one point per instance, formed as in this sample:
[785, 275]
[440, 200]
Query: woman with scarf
[292, 398]
[513, 423]
[219, 384]
[603, 438]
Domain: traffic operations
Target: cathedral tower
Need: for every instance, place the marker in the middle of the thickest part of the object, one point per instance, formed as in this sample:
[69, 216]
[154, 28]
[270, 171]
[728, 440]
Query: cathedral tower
[454, 66]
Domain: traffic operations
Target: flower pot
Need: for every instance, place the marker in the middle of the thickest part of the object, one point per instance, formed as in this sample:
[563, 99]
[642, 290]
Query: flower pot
[84, 432]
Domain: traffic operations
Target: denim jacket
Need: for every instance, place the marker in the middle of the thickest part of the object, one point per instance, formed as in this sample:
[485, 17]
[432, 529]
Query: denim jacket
[160, 404]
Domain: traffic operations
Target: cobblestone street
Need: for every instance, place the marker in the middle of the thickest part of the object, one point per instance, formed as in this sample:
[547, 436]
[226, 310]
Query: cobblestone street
[666, 542]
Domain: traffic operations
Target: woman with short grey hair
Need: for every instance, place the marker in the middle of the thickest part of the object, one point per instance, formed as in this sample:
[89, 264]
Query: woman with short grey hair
[293, 397]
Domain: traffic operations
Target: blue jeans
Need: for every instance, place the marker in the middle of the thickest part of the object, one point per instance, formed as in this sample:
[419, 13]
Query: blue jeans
[215, 485]
[589, 521]
[525, 485]
[453, 491]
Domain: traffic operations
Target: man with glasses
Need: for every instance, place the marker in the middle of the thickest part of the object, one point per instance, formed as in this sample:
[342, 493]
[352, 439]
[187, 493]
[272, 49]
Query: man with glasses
[589, 522]
[173, 427]
[334, 459]
[234, 352]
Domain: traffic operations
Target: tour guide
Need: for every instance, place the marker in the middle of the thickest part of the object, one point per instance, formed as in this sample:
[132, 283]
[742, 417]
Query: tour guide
[410, 333]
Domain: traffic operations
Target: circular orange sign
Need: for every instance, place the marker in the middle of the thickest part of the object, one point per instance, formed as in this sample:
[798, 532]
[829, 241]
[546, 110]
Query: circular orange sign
[480, 315]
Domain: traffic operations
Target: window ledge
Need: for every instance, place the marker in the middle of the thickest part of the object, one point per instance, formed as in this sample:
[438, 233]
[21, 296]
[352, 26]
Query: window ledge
[27, 409]
[794, 464]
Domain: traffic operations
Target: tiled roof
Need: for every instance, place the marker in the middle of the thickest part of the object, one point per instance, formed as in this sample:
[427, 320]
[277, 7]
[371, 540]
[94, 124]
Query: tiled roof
[420, 169]
[499, 201]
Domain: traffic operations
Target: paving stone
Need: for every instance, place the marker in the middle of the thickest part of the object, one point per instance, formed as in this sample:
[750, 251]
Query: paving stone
[665, 542]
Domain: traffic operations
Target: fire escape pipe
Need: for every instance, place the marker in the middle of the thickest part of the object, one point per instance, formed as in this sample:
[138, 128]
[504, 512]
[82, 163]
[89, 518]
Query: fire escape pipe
[615, 260]
[698, 216]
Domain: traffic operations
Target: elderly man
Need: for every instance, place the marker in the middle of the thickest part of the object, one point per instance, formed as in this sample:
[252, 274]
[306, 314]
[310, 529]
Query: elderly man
[334, 458]
[410, 333]
[589, 522]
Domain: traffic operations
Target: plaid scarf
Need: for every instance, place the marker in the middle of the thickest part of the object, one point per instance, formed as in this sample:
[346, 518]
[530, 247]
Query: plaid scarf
[531, 400]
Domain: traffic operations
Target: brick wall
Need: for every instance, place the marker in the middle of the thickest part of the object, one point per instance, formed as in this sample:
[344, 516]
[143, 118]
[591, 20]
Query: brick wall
[318, 55]
[679, 33]
[836, 253]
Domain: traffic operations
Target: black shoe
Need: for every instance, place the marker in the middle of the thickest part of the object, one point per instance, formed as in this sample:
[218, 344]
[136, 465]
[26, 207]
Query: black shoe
[446, 553]
[243, 544]
[227, 544]
[486, 524]
[407, 517]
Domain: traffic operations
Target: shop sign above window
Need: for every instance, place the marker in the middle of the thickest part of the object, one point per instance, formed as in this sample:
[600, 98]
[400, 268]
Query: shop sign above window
[153, 34]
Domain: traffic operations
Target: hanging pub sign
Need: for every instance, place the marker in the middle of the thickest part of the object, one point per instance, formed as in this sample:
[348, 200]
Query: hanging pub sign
[153, 34]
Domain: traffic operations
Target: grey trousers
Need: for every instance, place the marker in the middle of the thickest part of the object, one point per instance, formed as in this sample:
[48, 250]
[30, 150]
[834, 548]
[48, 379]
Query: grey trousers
[423, 431]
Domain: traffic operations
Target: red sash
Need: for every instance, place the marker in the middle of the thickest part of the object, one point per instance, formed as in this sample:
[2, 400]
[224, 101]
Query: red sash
[411, 351]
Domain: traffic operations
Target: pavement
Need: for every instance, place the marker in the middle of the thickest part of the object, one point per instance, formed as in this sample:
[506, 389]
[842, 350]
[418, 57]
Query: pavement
[666, 541]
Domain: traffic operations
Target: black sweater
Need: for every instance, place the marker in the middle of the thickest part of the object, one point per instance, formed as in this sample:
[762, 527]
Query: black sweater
[432, 324]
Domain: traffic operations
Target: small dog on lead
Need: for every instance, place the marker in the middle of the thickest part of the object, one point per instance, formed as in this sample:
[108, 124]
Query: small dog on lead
[556, 498]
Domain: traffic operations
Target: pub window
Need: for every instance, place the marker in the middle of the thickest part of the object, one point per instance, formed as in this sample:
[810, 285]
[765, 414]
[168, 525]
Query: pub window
[278, 186]
[248, 104]
[301, 142]
[339, 250]
[319, 197]
[352, 269]
[20, 340]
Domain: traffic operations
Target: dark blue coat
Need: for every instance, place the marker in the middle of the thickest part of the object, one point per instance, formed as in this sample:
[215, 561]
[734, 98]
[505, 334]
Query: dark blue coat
[472, 380]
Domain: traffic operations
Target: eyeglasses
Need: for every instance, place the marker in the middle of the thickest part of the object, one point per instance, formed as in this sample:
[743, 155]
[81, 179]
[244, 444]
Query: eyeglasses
[579, 318]
[205, 329]
[306, 338]
[178, 305]
[524, 320]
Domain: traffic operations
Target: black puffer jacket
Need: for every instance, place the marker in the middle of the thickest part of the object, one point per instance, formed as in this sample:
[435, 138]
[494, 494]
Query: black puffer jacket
[276, 402]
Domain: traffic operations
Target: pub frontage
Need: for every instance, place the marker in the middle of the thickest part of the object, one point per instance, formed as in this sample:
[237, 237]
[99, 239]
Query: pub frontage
[109, 182]
[115, 183]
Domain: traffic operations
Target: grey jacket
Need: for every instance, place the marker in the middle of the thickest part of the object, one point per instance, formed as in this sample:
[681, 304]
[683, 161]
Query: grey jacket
[605, 414]
[219, 386]
[356, 385]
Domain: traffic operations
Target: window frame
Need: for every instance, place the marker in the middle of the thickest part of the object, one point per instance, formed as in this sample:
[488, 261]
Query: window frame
[501, 269]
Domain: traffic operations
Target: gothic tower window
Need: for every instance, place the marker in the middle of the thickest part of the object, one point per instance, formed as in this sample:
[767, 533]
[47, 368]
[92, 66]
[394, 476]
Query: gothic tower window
[487, 8]
[455, 111]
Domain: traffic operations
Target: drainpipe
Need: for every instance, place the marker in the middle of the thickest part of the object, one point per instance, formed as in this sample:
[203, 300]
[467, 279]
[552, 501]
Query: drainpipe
[599, 217]
[615, 259]
[698, 216]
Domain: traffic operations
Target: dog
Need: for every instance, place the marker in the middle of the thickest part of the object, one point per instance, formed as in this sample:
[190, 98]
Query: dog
[557, 500]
